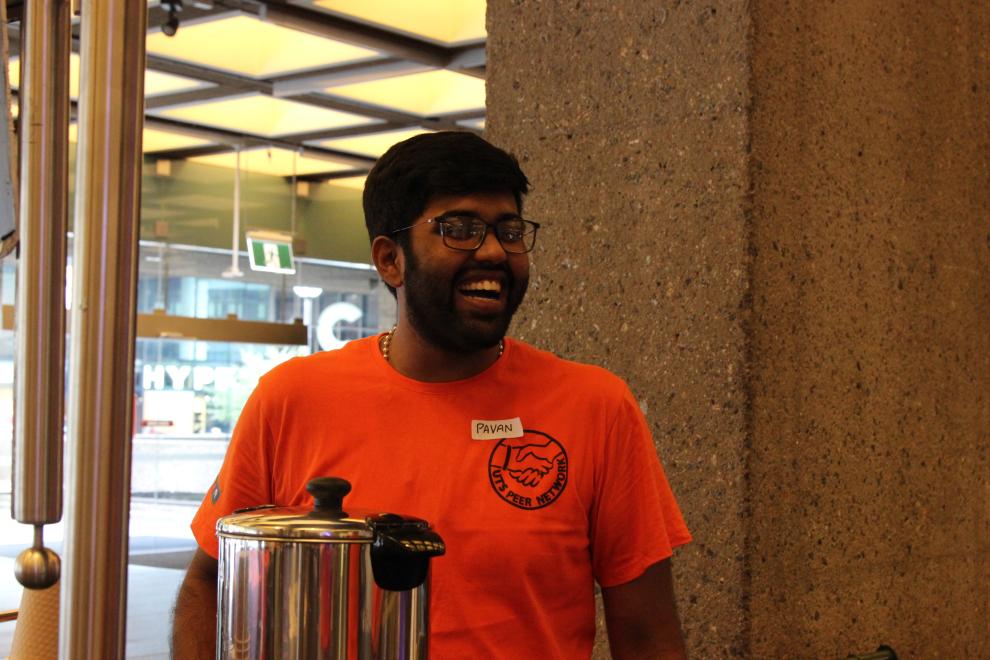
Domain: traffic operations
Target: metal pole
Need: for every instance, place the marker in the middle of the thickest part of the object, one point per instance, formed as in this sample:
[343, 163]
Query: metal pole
[234, 270]
[108, 162]
[40, 316]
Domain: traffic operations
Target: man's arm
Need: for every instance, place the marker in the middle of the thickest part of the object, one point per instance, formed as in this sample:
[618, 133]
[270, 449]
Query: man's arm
[641, 617]
[194, 620]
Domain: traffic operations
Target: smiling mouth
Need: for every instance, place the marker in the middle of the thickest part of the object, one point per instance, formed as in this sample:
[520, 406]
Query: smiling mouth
[482, 289]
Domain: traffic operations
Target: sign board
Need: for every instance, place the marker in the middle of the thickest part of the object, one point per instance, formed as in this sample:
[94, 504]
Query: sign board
[270, 252]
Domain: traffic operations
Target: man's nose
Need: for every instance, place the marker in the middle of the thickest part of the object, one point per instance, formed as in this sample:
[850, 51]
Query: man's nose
[491, 249]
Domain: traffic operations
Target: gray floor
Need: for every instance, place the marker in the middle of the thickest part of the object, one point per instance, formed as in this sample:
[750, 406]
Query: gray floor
[160, 549]
[150, 593]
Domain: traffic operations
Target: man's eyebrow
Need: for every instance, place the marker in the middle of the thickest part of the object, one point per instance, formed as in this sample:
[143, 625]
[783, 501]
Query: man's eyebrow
[475, 214]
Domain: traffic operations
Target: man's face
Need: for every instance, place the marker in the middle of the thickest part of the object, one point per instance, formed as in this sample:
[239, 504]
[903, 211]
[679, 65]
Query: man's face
[463, 301]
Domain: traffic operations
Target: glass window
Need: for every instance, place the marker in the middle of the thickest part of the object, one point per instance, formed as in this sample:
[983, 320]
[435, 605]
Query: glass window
[188, 395]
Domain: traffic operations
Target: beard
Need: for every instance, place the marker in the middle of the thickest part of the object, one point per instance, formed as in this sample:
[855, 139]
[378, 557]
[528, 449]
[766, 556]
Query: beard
[432, 311]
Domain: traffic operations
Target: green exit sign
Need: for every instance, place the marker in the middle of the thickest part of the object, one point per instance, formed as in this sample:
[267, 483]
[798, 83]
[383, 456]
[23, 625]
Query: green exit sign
[270, 252]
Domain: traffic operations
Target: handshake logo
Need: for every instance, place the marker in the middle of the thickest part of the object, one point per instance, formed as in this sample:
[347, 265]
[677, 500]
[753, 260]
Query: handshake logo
[528, 472]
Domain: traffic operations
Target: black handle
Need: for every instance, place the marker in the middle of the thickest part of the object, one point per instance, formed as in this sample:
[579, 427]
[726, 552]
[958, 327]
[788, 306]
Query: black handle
[407, 542]
[400, 556]
[328, 494]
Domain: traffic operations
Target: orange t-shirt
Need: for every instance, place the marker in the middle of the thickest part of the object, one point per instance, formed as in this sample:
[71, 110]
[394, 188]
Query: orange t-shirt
[530, 522]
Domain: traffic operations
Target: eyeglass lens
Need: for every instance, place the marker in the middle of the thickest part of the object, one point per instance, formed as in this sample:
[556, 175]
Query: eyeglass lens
[468, 233]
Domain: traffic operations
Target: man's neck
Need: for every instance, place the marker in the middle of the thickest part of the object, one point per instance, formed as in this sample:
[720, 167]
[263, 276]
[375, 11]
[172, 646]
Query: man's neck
[416, 358]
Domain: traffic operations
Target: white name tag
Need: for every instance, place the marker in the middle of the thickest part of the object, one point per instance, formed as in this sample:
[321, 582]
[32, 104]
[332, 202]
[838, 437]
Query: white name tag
[496, 429]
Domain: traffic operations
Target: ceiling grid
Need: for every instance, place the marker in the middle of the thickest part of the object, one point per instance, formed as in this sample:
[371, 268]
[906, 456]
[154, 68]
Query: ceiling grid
[335, 82]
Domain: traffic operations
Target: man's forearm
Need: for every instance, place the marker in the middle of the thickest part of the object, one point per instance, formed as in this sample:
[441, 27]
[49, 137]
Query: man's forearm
[663, 642]
[194, 624]
[642, 619]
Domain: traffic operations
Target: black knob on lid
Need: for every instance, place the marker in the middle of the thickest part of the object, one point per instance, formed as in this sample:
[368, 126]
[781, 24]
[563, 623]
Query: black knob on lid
[328, 494]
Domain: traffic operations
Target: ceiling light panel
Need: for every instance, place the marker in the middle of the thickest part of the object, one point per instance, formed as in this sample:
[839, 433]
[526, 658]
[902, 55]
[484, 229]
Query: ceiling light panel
[274, 161]
[428, 93]
[447, 22]
[251, 47]
[154, 139]
[373, 144]
[262, 115]
[155, 82]
[350, 182]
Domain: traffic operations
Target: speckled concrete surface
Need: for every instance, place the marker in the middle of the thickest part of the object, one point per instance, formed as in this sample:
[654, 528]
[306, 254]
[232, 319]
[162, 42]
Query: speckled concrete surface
[771, 218]
[871, 329]
[630, 120]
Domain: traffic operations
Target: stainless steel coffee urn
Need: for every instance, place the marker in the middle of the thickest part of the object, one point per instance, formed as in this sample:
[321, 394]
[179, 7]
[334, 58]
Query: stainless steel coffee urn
[323, 583]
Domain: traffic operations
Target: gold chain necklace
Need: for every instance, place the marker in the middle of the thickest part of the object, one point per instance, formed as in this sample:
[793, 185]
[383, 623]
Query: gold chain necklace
[387, 343]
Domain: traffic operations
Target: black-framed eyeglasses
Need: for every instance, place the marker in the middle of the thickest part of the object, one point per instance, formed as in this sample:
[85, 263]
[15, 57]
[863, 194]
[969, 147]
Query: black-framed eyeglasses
[468, 232]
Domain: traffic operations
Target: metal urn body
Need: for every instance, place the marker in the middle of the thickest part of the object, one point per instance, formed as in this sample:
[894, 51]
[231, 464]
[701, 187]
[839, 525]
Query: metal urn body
[322, 583]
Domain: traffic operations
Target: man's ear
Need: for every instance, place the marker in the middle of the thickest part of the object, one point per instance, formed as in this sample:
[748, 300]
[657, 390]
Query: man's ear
[389, 260]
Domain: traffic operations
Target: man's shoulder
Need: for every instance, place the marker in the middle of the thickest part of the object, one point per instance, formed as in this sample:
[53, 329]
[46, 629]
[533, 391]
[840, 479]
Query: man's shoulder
[341, 363]
[551, 365]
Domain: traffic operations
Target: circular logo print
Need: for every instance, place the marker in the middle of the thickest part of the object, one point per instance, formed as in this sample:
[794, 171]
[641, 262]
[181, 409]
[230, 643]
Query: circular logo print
[528, 472]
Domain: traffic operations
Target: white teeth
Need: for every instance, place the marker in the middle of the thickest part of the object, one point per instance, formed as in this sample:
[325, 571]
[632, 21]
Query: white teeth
[483, 285]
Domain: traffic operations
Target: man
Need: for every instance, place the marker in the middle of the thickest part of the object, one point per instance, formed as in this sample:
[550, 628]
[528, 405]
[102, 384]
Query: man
[540, 474]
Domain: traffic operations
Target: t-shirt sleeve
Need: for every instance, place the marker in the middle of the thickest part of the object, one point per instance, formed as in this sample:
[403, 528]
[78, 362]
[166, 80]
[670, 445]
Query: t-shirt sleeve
[635, 520]
[245, 477]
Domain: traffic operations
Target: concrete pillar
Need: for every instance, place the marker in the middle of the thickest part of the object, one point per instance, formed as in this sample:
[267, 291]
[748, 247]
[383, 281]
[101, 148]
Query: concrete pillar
[772, 220]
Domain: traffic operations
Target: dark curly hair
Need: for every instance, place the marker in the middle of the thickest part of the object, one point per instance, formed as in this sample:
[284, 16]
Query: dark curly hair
[414, 171]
